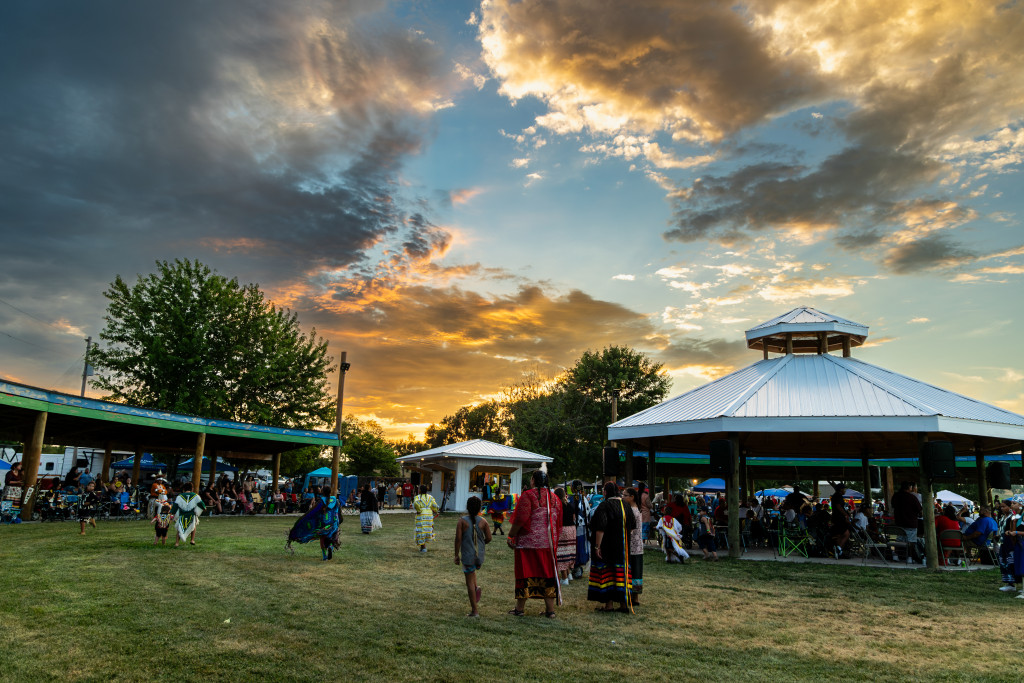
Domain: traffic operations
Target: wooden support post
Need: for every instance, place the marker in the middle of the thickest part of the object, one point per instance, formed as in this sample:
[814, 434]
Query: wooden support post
[931, 549]
[822, 343]
[137, 465]
[765, 347]
[979, 463]
[30, 465]
[197, 461]
[732, 488]
[277, 470]
[887, 490]
[865, 464]
[338, 419]
[652, 474]
[744, 486]
[668, 490]
[789, 343]
[108, 459]
[815, 488]
[846, 347]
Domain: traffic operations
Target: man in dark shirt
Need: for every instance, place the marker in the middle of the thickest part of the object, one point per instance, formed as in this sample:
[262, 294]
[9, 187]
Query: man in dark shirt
[906, 509]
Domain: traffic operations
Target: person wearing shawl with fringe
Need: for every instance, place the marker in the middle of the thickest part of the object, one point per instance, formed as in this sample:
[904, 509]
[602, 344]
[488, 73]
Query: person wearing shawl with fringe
[323, 522]
[536, 525]
[187, 508]
[672, 536]
[609, 569]
[581, 516]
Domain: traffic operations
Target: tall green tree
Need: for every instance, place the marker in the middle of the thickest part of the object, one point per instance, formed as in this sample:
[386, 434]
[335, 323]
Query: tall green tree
[484, 421]
[365, 449]
[187, 340]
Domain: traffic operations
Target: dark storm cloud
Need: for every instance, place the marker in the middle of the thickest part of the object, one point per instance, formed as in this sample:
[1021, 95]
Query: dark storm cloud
[262, 137]
[132, 127]
[932, 251]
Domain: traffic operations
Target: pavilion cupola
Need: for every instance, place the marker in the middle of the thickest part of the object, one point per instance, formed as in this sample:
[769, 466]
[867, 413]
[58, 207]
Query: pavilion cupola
[806, 330]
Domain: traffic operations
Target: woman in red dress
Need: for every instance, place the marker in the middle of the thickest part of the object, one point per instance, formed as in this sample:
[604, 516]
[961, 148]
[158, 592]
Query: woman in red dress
[536, 524]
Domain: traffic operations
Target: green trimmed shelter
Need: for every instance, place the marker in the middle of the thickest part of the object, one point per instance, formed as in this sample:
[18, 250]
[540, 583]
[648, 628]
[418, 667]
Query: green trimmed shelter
[36, 416]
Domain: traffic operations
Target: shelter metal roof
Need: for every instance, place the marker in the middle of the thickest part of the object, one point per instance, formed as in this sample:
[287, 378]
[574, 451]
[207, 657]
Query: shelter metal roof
[77, 421]
[477, 448]
[822, 393]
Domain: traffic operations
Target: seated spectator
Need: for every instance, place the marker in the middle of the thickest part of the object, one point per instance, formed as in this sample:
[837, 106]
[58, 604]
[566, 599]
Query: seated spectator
[860, 518]
[947, 522]
[978, 534]
[71, 480]
[965, 518]
[755, 530]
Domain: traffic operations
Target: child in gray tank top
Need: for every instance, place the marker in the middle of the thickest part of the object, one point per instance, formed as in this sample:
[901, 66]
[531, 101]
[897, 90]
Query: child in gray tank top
[471, 536]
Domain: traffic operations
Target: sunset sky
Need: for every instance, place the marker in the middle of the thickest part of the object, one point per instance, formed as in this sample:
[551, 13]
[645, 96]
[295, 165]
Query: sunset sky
[458, 193]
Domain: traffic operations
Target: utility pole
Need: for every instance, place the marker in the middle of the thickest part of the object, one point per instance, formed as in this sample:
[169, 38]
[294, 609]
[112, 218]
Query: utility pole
[343, 367]
[86, 372]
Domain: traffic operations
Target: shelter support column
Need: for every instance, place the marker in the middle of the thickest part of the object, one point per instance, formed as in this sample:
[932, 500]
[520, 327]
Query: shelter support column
[277, 470]
[627, 471]
[137, 465]
[652, 474]
[928, 510]
[744, 478]
[197, 461]
[866, 469]
[668, 490]
[887, 489]
[815, 489]
[30, 464]
[108, 458]
[213, 469]
[979, 463]
[732, 488]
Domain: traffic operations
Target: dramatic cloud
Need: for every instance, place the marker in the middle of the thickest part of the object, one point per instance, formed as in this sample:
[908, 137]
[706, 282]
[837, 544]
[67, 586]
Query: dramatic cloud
[901, 81]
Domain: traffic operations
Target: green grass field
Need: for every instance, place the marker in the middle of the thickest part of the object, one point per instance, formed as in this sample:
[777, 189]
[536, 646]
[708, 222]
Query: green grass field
[111, 606]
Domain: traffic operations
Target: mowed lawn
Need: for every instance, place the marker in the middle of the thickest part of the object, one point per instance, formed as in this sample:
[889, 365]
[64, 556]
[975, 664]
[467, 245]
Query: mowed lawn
[111, 606]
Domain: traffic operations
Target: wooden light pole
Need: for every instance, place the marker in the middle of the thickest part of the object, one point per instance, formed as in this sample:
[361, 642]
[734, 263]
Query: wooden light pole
[336, 460]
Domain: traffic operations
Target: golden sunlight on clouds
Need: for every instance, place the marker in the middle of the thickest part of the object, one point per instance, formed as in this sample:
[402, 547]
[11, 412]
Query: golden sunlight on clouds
[463, 196]
[233, 245]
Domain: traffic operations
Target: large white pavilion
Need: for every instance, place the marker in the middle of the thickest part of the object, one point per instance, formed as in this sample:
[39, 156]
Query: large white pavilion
[466, 468]
[807, 403]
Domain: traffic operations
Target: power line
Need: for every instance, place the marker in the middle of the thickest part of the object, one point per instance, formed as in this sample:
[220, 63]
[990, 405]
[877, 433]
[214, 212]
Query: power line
[34, 317]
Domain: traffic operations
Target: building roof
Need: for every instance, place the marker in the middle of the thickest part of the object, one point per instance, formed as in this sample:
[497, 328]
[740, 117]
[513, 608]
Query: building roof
[819, 393]
[806, 329]
[477, 448]
[77, 421]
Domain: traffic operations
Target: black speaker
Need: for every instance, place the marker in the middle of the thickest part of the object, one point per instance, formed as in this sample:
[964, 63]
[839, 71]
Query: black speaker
[640, 469]
[610, 458]
[937, 459]
[998, 475]
[875, 475]
[721, 457]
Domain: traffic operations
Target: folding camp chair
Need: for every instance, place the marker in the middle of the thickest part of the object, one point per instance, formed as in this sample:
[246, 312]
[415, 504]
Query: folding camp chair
[793, 539]
[949, 552]
[868, 546]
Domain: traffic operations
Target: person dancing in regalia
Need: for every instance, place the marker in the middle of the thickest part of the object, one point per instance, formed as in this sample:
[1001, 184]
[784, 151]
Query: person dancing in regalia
[323, 522]
[187, 508]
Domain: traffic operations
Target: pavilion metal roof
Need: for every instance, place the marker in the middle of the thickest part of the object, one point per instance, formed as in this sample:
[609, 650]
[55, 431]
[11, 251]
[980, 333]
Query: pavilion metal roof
[819, 393]
[478, 448]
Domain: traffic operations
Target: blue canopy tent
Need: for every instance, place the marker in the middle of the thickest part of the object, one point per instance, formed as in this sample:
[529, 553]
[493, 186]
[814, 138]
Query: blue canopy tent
[777, 493]
[146, 464]
[345, 484]
[5, 465]
[710, 486]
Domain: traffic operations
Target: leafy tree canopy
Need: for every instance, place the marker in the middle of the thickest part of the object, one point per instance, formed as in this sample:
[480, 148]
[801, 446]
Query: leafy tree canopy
[365, 449]
[187, 340]
[484, 421]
